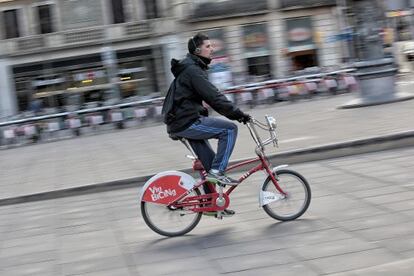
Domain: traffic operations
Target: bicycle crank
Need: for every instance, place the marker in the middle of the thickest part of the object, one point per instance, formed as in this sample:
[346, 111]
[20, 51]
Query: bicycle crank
[221, 201]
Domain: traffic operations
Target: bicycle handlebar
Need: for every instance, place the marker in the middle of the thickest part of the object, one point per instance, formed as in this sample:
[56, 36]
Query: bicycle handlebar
[270, 126]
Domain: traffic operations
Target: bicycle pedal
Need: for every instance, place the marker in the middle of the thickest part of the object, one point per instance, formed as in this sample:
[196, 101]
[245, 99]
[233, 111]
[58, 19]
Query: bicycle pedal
[222, 215]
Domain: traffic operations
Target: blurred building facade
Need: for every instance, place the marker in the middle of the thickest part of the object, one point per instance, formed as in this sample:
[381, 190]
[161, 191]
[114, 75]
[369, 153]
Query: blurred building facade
[68, 53]
[264, 38]
[399, 16]
[71, 53]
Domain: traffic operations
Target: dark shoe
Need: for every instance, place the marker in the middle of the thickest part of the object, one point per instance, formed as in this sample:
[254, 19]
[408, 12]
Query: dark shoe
[225, 213]
[221, 178]
[228, 213]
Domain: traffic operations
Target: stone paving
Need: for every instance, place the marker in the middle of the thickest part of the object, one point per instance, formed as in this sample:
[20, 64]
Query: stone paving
[144, 151]
[360, 222]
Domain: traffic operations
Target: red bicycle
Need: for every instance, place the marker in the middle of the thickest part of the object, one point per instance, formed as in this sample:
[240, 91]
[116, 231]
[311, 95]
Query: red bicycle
[172, 202]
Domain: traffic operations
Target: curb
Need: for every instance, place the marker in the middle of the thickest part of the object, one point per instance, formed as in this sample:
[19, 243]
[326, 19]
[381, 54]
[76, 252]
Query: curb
[328, 151]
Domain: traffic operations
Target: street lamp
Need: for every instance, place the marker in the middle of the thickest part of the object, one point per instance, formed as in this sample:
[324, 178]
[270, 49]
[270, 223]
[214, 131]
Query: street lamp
[376, 74]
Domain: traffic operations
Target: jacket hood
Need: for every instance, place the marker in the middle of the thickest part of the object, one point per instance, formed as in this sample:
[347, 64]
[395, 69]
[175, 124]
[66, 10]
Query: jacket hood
[178, 66]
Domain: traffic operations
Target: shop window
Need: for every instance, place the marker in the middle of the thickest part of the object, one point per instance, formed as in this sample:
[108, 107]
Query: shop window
[23, 101]
[304, 59]
[93, 96]
[118, 11]
[259, 66]
[45, 19]
[133, 79]
[11, 24]
[22, 90]
[48, 85]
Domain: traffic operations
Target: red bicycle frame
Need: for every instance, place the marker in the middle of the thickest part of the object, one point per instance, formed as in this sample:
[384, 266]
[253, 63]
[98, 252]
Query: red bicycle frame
[208, 202]
[210, 199]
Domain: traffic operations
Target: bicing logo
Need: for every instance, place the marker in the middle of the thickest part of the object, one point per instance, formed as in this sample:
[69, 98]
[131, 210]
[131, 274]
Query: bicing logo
[157, 193]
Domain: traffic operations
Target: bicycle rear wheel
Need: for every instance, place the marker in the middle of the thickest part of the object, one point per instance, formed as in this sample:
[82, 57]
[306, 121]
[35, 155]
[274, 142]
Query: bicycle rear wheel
[168, 221]
[296, 201]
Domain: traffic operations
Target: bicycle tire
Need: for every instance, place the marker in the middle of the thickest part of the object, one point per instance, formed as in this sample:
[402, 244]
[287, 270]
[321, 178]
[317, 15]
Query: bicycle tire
[272, 208]
[168, 233]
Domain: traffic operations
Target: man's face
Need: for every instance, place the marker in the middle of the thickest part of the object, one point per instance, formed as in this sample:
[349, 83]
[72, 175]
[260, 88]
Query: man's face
[206, 49]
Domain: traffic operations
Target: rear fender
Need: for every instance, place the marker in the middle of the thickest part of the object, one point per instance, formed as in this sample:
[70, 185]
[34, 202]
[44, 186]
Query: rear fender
[165, 187]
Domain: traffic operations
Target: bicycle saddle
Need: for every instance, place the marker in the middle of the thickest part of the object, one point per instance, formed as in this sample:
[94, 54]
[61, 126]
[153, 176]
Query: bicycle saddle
[175, 137]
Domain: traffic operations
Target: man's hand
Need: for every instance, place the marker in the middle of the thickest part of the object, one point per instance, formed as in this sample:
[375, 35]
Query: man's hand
[245, 118]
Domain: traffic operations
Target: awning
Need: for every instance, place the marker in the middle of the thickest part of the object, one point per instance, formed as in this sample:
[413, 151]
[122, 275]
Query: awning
[301, 48]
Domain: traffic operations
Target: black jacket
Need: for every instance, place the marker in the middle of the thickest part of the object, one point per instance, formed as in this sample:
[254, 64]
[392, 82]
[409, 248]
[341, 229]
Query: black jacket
[192, 88]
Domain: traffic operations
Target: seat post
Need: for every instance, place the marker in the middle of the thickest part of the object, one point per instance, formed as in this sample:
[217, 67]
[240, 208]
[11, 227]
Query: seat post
[188, 146]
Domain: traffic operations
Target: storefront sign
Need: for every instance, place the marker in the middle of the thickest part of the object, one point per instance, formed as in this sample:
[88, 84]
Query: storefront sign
[132, 70]
[399, 13]
[37, 83]
[300, 34]
[255, 40]
[89, 75]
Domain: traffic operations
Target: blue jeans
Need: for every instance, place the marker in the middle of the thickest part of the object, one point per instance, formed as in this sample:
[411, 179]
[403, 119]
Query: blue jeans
[211, 128]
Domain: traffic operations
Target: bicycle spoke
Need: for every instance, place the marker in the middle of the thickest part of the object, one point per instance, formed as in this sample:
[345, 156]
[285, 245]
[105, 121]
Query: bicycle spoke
[296, 201]
[169, 221]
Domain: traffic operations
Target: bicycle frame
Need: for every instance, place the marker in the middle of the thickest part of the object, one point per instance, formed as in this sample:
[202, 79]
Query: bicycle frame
[263, 165]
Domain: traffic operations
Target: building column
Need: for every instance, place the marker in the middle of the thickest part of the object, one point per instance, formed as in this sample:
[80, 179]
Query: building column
[140, 10]
[57, 16]
[277, 36]
[328, 52]
[32, 20]
[170, 49]
[163, 7]
[107, 12]
[235, 50]
[24, 21]
[130, 10]
[8, 103]
[160, 70]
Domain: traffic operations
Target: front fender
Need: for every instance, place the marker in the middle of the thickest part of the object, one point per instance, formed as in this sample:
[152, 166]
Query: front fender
[279, 167]
[268, 197]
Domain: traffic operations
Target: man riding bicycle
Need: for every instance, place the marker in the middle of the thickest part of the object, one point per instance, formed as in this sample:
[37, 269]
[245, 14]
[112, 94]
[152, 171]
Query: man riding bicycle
[189, 118]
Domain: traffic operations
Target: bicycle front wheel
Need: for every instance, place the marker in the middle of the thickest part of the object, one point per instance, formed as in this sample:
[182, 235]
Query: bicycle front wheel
[168, 221]
[296, 201]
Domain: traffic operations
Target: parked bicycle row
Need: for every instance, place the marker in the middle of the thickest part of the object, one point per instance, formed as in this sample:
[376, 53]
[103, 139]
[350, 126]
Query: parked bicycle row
[292, 90]
[74, 124]
[95, 120]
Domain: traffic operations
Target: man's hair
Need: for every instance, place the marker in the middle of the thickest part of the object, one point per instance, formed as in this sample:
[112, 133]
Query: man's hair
[196, 41]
